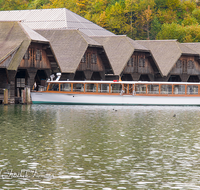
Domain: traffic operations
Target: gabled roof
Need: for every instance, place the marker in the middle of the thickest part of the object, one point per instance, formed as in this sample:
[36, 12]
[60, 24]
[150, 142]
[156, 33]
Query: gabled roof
[194, 46]
[69, 47]
[12, 38]
[59, 18]
[166, 52]
[119, 50]
[15, 39]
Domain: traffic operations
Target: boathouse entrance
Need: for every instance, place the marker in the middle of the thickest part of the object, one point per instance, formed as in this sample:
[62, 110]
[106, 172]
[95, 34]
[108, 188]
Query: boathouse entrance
[21, 80]
[174, 78]
[193, 78]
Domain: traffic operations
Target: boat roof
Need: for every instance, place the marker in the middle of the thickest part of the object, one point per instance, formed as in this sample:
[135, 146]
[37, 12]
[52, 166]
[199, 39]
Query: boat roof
[127, 82]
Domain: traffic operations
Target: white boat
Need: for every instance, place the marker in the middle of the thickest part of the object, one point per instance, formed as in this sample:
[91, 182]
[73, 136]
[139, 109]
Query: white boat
[118, 93]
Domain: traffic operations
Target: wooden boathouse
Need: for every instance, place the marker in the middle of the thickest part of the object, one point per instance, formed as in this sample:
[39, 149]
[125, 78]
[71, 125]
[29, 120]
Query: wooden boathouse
[25, 58]
[177, 62]
[79, 56]
[130, 60]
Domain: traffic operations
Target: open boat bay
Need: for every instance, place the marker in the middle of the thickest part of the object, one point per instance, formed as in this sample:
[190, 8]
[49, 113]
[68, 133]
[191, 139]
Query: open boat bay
[99, 147]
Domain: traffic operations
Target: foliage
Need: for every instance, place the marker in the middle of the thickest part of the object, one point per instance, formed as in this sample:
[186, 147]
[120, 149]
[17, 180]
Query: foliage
[139, 19]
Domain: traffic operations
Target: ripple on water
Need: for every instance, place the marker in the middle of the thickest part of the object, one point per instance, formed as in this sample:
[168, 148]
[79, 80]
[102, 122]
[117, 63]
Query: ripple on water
[94, 147]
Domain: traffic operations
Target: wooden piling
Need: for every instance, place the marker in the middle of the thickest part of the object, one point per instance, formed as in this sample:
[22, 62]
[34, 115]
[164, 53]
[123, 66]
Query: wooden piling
[23, 96]
[28, 95]
[5, 102]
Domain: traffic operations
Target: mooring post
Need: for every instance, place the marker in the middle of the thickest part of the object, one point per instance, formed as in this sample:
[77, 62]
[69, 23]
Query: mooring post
[5, 101]
[28, 95]
[24, 96]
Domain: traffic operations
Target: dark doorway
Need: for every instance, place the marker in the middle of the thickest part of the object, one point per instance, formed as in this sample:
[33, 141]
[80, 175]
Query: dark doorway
[193, 78]
[96, 76]
[21, 80]
[40, 79]
[144, 78]
[127, 77]
[174, 78]
[79, 75]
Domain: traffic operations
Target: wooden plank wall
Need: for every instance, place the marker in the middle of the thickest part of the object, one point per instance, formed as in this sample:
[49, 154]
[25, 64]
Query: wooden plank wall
[35, 57]
[138, 63]
[91, 61]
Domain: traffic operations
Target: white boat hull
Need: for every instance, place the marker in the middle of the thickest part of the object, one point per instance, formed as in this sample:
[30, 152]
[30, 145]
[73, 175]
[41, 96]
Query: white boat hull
[87, 99]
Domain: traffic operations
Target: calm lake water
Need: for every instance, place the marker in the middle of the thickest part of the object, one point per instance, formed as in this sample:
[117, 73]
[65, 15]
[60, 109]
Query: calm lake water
[99, 147]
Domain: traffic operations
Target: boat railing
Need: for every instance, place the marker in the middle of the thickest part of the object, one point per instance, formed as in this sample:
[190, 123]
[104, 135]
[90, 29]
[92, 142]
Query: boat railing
[158, 89]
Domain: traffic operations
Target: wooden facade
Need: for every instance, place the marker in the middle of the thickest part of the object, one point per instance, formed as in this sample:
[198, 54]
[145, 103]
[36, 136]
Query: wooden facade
[93, 66]
[35, 67]
[140, 67]
[186, 69]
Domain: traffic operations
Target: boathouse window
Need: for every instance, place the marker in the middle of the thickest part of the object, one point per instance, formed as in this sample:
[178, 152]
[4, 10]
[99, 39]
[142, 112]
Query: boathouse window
[130, 62]
[88, 60]
[26, 55]
[65, 87]
[20, 82]
[78, 87]
[38, 55]
[103, 88]
[90, 87]
[153, 89]
[179, 64]
[190, 64]
[116, 88]
[192, 89]
[54, 87]
[179, 89]
[166, 89]
[141, 62]
[140, 89]
[83, 59]
[94, 58]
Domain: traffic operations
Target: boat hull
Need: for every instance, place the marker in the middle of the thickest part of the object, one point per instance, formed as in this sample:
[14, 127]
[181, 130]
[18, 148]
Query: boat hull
[87, 99]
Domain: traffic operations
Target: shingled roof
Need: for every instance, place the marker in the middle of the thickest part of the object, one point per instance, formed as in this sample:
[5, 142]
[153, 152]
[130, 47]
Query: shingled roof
[166, 52]
[69, 47]
[119, 50]
[15, 39]
[194, 46]
[59, 18]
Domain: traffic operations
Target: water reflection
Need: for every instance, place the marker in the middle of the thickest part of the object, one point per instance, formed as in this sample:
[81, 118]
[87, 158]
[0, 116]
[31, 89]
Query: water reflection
[97, 147]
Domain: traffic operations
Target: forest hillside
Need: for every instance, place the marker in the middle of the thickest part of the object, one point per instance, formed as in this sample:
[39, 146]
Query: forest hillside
[138, 19]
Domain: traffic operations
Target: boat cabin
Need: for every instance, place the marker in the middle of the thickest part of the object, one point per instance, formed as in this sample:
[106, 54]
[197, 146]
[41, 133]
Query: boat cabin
[124, 88]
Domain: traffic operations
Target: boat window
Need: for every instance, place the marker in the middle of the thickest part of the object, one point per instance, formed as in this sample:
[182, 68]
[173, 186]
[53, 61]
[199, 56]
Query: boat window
[54, 87]
[153, 89]
[179, 89]
[130, 88]
[103, 88]
[65, 87]
[140, 89]
[90, 87]
[116, 88]
[78, 87]
[192, 89]
[166, 89]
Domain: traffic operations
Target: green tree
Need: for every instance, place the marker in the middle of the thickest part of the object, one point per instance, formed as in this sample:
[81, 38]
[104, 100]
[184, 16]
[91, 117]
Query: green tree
[189, 20]
[196, 14]
[38, 4]
[171, 31]
[155, 28]
[117, 18]
[14, 4]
